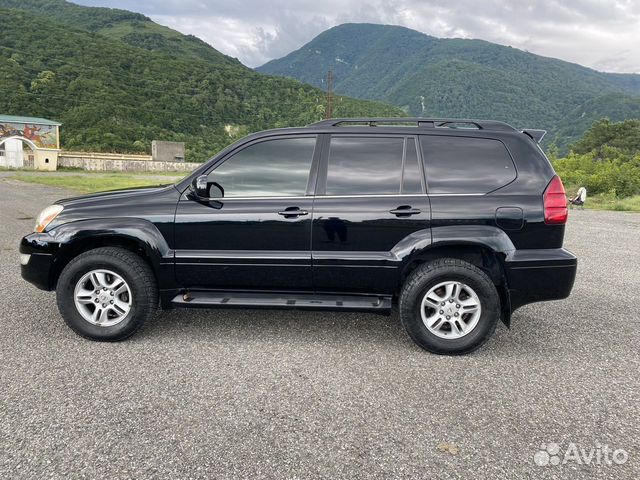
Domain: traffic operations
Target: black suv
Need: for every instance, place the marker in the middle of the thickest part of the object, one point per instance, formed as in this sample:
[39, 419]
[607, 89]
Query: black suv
[458, 221]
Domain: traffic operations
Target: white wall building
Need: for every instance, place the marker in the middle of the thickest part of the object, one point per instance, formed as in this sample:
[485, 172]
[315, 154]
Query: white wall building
[29, 142]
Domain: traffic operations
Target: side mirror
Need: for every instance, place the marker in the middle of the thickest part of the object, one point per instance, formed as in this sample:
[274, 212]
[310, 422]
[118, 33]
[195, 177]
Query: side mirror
[199, 186]
[205, 190]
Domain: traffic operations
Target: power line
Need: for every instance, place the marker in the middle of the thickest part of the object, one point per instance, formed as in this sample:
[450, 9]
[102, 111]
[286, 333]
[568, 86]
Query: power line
[156, 110]
[286, 101]
[282, 102]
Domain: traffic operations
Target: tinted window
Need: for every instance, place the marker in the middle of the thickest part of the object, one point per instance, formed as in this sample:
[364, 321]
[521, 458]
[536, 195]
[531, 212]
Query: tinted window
[274, 168]
[465, 164]
[411, 175]
[361, 166]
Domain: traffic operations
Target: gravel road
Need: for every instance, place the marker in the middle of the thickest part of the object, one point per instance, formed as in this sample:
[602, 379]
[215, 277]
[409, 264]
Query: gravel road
[279, 394]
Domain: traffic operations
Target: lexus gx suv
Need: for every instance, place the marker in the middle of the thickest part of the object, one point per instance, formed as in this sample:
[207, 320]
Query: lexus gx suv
[457, 222]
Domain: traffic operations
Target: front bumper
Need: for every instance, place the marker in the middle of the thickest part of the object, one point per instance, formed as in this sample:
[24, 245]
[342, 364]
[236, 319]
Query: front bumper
[539, 275]
[38, 268]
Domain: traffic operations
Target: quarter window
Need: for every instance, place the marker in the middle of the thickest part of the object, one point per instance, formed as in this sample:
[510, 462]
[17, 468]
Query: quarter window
[465, 164]
[273, 168]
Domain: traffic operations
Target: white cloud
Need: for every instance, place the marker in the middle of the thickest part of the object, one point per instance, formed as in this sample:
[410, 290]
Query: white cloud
[601, 34]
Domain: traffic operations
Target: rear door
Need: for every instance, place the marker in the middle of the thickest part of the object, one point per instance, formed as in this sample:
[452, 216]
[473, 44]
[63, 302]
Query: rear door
[370, 196]
[466, 176]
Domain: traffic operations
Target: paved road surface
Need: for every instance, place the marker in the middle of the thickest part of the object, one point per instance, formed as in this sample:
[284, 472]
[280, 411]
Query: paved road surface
[271, 394]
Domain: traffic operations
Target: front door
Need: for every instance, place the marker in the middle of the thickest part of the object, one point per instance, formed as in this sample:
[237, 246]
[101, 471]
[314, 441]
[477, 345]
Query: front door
[257, 234]
[371, 196]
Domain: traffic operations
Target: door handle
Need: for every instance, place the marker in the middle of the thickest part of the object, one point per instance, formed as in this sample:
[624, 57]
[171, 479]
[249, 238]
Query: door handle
[405, 211]
[291, 212]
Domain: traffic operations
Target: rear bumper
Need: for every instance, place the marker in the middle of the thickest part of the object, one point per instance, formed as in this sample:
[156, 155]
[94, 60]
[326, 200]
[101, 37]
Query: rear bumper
[539, 275]
[37, 260]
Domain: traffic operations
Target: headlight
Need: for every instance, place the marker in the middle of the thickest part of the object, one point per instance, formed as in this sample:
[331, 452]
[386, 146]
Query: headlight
[47, 216]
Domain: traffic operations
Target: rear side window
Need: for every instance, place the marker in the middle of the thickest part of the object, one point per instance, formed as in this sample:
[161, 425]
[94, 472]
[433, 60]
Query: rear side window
[373, 166]
[364, 166]
[465, 164]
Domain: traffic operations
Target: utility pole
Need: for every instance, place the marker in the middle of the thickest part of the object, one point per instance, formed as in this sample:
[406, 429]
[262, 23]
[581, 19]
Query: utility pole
[328, 113]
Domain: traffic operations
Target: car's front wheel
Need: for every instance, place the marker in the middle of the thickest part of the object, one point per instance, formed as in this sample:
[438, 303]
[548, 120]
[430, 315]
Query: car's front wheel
[107, 293]
[449, 306]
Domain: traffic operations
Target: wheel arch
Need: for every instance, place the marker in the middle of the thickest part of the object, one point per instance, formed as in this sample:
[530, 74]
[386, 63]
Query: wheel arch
[489, 261]
[482, 246]
[136, 235]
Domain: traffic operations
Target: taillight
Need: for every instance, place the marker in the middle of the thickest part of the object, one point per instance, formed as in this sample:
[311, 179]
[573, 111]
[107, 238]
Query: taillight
[555, 203]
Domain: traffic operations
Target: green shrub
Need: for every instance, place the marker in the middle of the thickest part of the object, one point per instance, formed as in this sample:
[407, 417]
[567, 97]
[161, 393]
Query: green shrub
[620, 177]
[605, 161]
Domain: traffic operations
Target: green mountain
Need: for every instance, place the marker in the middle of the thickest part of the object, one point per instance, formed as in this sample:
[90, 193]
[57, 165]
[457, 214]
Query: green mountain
[429, 76]
[116, 80]
[130, 27]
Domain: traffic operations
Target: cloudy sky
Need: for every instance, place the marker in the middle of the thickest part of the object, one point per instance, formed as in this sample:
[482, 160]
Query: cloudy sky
[602, 34]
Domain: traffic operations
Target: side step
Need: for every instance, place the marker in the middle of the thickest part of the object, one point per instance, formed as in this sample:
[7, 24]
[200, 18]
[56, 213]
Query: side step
[283, 300]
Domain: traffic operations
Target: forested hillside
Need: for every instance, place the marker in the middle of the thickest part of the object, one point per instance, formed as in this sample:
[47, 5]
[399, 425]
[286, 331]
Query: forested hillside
[606, 160]
[129, 27]
[462, 78]
[117, 81]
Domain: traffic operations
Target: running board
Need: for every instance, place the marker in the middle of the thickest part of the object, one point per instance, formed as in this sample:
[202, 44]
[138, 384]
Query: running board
[283, 300]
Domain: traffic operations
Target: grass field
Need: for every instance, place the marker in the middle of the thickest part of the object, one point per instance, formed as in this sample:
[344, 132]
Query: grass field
[606, 201]
[97, 182]
[610, 202]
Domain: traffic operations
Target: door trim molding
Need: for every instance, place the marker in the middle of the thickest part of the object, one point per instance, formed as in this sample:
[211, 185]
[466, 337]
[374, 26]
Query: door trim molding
[244, 254]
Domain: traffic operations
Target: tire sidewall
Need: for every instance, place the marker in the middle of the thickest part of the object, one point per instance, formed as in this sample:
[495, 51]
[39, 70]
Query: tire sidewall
[412, 319]
[66, 304]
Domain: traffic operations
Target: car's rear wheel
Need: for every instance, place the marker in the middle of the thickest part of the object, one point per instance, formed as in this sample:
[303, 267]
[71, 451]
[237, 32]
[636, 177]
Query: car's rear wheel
[449, 306]
[107, 293]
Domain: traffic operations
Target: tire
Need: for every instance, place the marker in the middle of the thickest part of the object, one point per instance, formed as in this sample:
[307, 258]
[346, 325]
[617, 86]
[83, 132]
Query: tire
[135, 299]
[448, 337]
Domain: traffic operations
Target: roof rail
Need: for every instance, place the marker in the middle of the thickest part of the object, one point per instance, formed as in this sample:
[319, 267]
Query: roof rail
[419, 121]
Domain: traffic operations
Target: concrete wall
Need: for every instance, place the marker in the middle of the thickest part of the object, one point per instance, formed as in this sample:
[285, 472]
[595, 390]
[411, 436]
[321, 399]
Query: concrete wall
[46, 159]
[121, 163]
[105, 156]
[163, 151]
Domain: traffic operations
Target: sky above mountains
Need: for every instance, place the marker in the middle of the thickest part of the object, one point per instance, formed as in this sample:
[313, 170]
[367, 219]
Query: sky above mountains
[601, 34]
